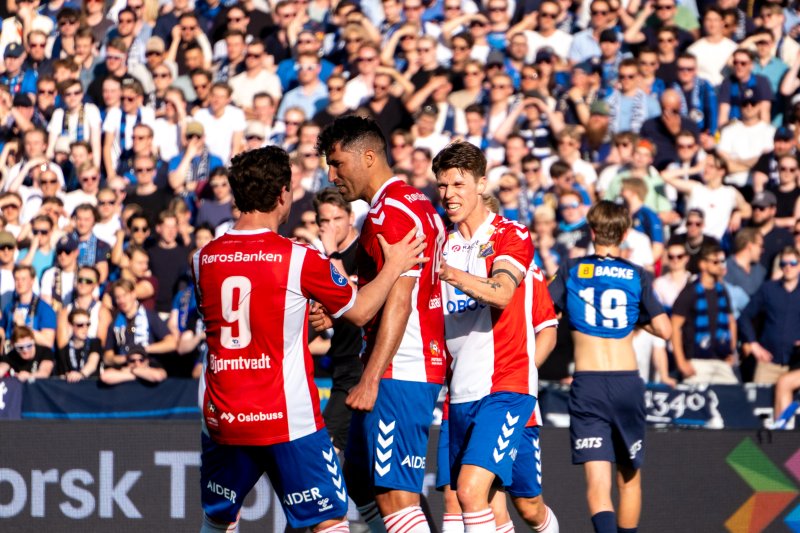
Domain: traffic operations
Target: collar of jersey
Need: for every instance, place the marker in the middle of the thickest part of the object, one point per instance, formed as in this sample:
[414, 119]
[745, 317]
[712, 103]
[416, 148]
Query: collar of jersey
[483, 228]
[248, 231]
[383, 188]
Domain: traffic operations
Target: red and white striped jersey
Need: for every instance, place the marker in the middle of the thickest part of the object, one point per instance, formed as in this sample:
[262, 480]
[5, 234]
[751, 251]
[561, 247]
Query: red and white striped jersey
[491, 349]
[253, 291]
[543, 315]
[395, 209]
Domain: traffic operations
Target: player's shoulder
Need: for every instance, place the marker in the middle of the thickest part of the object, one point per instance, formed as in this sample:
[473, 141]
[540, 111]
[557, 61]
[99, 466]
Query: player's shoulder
[595, 267]
[508, 229]
[404, 197]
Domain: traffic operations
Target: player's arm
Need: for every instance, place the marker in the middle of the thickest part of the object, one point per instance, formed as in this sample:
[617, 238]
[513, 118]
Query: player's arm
[545, 342]
[660, 326]
[657, 321]
[399, 258]
[390, 333]
[496, 291]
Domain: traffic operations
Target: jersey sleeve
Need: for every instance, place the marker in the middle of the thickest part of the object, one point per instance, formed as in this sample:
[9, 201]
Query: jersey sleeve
[320, 281]
[516, 248]
[399, 220]
[558, 287]
[649, 306]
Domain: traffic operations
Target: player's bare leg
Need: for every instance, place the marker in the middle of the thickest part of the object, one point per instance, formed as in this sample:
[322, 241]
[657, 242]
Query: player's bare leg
[502, 519]
[212, 526]
[339, 525]
[598, 495]
[629, 482]
[453, 521]
[537, 514]
[784, 392]
[474, 490]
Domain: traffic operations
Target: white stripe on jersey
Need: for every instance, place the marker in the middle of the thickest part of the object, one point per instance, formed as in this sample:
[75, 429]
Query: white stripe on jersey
[533, 373]
[407, 365]
[299, 405]
[513, 261]
[420, 231]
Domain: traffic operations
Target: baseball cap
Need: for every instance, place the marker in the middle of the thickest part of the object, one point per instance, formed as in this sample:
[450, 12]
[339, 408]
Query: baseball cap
[67, 243]
[496, 57]
[609, 36]
[783, 134]
[7, 239]
[600, 107]
[764, 199]
[22, 100]
[155, 44]
[195, 128]
[589, 66]
[545, 54]
[254, 129]
[14, 50]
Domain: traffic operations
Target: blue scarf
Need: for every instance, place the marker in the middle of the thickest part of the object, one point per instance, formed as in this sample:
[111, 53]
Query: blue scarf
[79, 135]
[638, 113]
[122, 124]
[87, 251]
[711, 344]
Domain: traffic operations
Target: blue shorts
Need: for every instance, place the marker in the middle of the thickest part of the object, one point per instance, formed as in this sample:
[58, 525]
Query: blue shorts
[487, 433]
[389, 444]
[607, 417]
[443, 456]
[305, 474]
[527, 471]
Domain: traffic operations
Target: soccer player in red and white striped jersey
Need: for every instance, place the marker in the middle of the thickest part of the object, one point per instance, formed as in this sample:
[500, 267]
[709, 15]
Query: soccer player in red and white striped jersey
[260, 405]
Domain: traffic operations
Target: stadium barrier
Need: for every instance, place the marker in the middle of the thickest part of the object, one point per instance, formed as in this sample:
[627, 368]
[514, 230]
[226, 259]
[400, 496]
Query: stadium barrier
[710, 407]
[125, 476]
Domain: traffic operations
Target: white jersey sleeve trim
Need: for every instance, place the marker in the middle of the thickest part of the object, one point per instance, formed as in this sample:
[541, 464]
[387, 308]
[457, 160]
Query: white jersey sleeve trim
[347, 306]
[544, 325]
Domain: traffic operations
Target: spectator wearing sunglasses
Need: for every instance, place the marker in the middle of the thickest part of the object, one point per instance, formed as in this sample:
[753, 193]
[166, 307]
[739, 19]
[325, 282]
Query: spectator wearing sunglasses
[80, 358]
[8, 250]
[26, 360]
[190, 169]
[778, 304]
[138, 365]
[27, 309]
[57, 283]
[41, 254]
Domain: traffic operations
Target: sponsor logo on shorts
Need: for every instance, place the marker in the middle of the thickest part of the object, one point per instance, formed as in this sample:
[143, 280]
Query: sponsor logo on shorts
[225, 492]
[635, 448]
[241, 257]
[304, 496]
[589, 442]
[217, 365]
[324, 505]
[337, 278]
[413, 461]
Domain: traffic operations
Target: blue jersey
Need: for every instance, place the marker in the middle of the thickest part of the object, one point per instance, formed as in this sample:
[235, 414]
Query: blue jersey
[604, 296]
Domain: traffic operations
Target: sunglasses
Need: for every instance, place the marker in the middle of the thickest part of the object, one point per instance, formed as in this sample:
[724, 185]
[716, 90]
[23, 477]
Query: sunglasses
[23, 347]
[307, 68]
[140, 229]
[626, 76]
[507, 189]
[675, 257]
[686, 146]
[144, 169]
[161, 75]
[48, 182]
[335, 88]
[600, 12]
[741, 63]
[251, 55]
[573, 205]
[136, 360]
[531, 169]
[129, 98]
[45, 91]
[9, 206]
[787, 169]
[694, 223]
[65, 252]
[90, 178]
[546, 15]
[87, 281]
[105, 202]
[235, 20]
[715, 261]
[80, 325]
[40, 231]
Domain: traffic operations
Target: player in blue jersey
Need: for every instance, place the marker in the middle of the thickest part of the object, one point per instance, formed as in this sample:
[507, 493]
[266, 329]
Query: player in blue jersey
[605, 298]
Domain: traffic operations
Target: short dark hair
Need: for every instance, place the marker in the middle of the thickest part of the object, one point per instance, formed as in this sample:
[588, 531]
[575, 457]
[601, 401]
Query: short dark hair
[349, 131]
[559, 168]
[710, 248]
[258, 177]
[609, 222]
[331, 196]
[460, 155]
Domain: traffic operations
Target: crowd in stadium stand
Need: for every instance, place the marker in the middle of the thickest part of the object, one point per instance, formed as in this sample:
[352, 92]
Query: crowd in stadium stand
[118, 118]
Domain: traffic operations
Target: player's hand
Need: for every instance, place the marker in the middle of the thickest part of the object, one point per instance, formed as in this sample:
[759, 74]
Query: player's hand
[319, 319]
[445, 270]
[362, 397]
[669, 381]
[760, 353]
[74, 376]
[405, 253]
[687, 370]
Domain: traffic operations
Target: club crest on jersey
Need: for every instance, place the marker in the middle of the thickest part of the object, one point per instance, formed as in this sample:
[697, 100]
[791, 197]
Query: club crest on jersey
[586, 271]
[337, 278]
[486, 250]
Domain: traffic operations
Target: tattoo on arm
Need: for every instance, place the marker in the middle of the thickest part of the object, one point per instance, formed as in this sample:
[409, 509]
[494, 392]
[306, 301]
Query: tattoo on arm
[508, 273]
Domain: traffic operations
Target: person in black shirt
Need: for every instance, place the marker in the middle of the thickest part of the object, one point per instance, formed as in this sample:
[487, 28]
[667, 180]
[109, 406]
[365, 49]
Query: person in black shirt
[168, 262]
[694, 239]
[80, 358]
[27, 360]
[339, 239]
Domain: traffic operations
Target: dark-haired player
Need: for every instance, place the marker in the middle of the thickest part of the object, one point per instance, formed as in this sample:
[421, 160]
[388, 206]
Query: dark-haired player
[605, 297]
[404, 354]
[260, 405]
